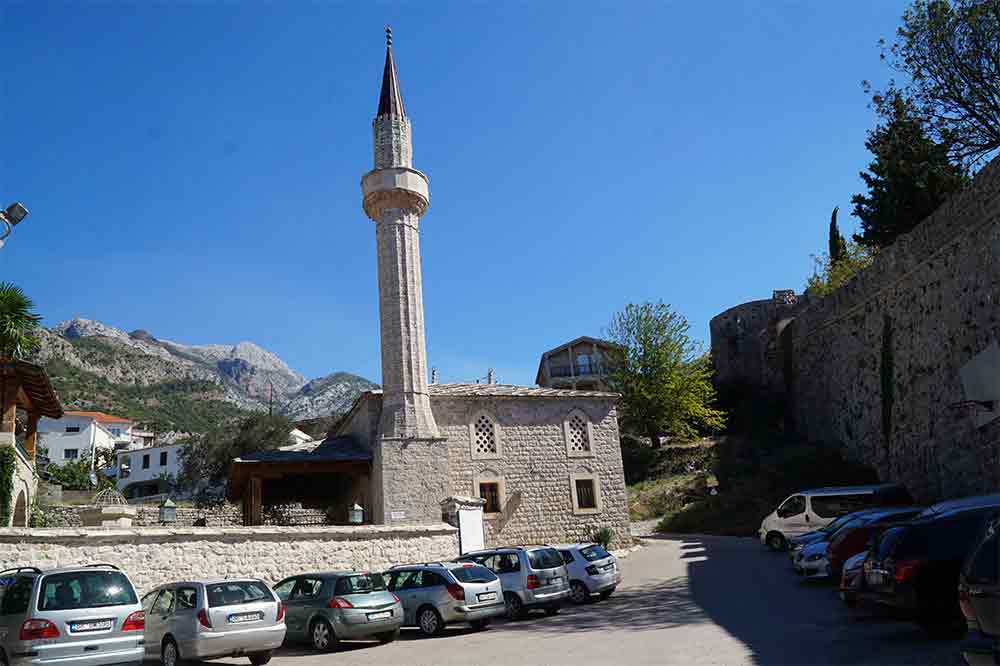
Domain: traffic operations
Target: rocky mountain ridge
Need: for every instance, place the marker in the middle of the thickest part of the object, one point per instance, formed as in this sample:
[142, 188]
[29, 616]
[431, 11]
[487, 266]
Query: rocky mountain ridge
[89, 357]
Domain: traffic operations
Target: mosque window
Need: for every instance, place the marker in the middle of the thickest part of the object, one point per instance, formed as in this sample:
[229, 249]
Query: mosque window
[579, 435]
[485, 436]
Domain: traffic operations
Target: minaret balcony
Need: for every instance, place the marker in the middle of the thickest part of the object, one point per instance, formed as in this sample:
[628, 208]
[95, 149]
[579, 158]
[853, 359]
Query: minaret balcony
[397, 187]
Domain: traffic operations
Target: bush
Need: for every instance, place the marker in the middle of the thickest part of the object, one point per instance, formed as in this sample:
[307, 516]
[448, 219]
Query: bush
[603, 536]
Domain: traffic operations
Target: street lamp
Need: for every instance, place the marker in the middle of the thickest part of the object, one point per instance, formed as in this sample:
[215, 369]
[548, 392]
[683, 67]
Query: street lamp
[11, 217]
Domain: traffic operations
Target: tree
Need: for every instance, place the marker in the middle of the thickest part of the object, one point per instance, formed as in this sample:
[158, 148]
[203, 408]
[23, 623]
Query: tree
[664, 379]
[829, 275]
[909, 178]
[18, 323]
[837, 244]
[206, 459]
[949, 50]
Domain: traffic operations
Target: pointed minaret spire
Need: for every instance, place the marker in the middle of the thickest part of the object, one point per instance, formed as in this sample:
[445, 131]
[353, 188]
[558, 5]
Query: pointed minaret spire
[390, 101]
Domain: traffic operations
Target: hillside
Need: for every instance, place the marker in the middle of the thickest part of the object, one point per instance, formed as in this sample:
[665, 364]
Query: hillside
[178, 387]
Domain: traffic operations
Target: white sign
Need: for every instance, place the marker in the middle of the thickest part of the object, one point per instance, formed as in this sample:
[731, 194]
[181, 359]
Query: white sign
[397, 515]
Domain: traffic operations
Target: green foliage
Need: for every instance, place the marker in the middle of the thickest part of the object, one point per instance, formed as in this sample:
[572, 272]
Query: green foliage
[949, 51]
[75, 475]
[837, 246]
[207, 458]
[38, 517]
[909, 178]
[664, 379]
[18, 323]
[829, 275]
[184, 405]
[8, 466]
[603, 536]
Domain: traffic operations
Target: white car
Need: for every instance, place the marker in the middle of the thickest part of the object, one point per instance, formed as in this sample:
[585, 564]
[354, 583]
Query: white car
[592, 571]
[811, 562]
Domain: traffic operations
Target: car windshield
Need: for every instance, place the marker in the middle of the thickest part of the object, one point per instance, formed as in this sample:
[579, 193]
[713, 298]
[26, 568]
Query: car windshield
[474, 574]
[545, 558]
[235, 592]
[592, 553]
[835, 525]
[848, 526]
[360, 584]
[85, 589]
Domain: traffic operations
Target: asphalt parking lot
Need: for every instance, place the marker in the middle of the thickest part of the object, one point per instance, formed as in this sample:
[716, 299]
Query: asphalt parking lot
[685, 600]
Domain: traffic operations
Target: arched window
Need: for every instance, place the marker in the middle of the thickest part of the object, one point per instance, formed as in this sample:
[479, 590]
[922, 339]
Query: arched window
[484, 436]
[579, 435]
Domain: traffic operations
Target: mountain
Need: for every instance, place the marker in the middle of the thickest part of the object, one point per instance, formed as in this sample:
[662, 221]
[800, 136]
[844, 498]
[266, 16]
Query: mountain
[181, 387]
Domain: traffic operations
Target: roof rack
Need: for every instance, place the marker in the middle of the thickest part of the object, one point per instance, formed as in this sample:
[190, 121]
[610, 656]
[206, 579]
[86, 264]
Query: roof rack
[417, 564]
[20, 569]
[103, 564]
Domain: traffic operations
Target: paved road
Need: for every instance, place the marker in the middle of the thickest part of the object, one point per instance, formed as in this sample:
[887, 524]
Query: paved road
[686, 600]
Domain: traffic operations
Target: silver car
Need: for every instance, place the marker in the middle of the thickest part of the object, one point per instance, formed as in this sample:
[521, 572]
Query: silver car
[209, 619]
[438, 594]
[531, 576]
[592, 571]
[324, 608]
[80, 616]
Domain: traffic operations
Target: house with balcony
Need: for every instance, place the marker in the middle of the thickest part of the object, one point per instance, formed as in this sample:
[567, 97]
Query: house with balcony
[77, 434]
[149, 470]
[582, 364]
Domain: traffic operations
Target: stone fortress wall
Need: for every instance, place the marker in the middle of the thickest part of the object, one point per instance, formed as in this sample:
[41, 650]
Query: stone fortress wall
[152, 556]
[875, 367]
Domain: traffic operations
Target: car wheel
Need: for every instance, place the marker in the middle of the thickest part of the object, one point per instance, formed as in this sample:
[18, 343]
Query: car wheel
[387, 637]
[552, 610]
[429, 621]
[479, 625]
[260, 658]
[578, 592]
[776, 541]
[169, 654]
[514, 606]
[322, 636]
[607, 593]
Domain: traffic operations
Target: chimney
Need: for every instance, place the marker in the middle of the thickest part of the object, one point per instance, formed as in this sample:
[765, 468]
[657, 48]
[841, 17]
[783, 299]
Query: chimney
[489, 376]
[434, 375]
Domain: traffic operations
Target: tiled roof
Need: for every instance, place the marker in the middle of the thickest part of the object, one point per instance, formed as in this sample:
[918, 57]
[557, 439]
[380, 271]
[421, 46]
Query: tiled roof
[510, 391]
[100, 417]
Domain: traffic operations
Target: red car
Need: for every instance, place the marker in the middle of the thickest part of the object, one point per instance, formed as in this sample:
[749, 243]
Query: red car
[854, 537]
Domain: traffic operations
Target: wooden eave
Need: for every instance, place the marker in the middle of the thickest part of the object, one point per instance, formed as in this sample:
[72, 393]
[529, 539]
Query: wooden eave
[35, 393]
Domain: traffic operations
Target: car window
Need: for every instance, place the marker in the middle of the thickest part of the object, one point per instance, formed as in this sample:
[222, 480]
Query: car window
[284, 589]
[306, 588]
[407, 580]
[473, 574]
[544, 558]
[235, 592]
[567, 556]
[164, 603]
[503, 563]
[360, 584]
[792, 506]
[595, 552]
[831, 506]
[982, 568]
[187, 598]
[148, 599]
[16, 596]
[85, 589]
[432, 579]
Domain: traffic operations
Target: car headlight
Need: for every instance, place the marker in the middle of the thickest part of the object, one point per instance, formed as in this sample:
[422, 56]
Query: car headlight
[814, 557]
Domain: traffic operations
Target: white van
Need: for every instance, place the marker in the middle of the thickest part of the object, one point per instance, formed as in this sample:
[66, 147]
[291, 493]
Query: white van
[810, 510]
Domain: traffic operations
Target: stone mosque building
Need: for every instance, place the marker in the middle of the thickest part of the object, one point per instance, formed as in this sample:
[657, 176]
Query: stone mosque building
[546, 461]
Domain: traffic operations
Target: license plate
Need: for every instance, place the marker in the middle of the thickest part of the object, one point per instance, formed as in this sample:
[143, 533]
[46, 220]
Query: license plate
[609, 567]
[555, 581]
[97, 625]
[379, 616]
[237, 618]
[488, 596]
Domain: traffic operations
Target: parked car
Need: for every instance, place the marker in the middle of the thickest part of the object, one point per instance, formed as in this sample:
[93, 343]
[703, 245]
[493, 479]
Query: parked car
[979, 596]
[796, 544]
[592, 571]
[531, 576]
[217, 618]
[324, 608]
[79, 616]
[437, 594]
[854, 535]
[809, 510]
[914, 567]
[851, 577]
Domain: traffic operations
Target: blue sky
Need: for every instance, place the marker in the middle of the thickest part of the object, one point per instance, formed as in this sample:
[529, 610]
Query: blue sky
[193, 168]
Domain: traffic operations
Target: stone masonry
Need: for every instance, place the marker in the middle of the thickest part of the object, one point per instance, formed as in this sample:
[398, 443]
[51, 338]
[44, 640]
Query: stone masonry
[154, 556]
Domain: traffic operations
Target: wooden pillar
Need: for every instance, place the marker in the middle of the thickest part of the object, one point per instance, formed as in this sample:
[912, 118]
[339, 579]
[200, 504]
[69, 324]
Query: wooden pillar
[31, 438]
[8, 410]
[251, 503]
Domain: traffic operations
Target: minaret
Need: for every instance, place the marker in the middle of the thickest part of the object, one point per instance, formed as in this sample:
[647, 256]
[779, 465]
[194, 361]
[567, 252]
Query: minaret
[395, 196]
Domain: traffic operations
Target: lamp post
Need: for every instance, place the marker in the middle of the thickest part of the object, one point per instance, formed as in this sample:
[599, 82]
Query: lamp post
[11, 217]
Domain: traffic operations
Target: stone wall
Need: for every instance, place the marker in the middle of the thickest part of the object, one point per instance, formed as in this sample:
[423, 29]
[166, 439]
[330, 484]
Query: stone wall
[25, 483]
[876, 364]
[154, 556]
[227, 515]
[535, 467]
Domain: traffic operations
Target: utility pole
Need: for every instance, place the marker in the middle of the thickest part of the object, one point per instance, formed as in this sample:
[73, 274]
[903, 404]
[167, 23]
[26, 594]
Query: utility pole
[270, 398]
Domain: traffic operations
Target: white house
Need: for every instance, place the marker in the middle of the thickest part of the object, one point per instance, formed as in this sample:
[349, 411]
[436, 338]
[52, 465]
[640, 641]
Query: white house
[78, 434]
[145, 471]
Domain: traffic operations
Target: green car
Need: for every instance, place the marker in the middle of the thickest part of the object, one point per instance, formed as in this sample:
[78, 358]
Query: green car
[324, 608]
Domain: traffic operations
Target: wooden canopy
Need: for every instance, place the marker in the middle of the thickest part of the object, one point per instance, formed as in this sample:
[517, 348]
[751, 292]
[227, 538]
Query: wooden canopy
[26, 386]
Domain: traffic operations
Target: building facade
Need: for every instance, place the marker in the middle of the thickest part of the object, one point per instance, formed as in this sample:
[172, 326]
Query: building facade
[583, 363]
[76, 435]
[149, 470]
